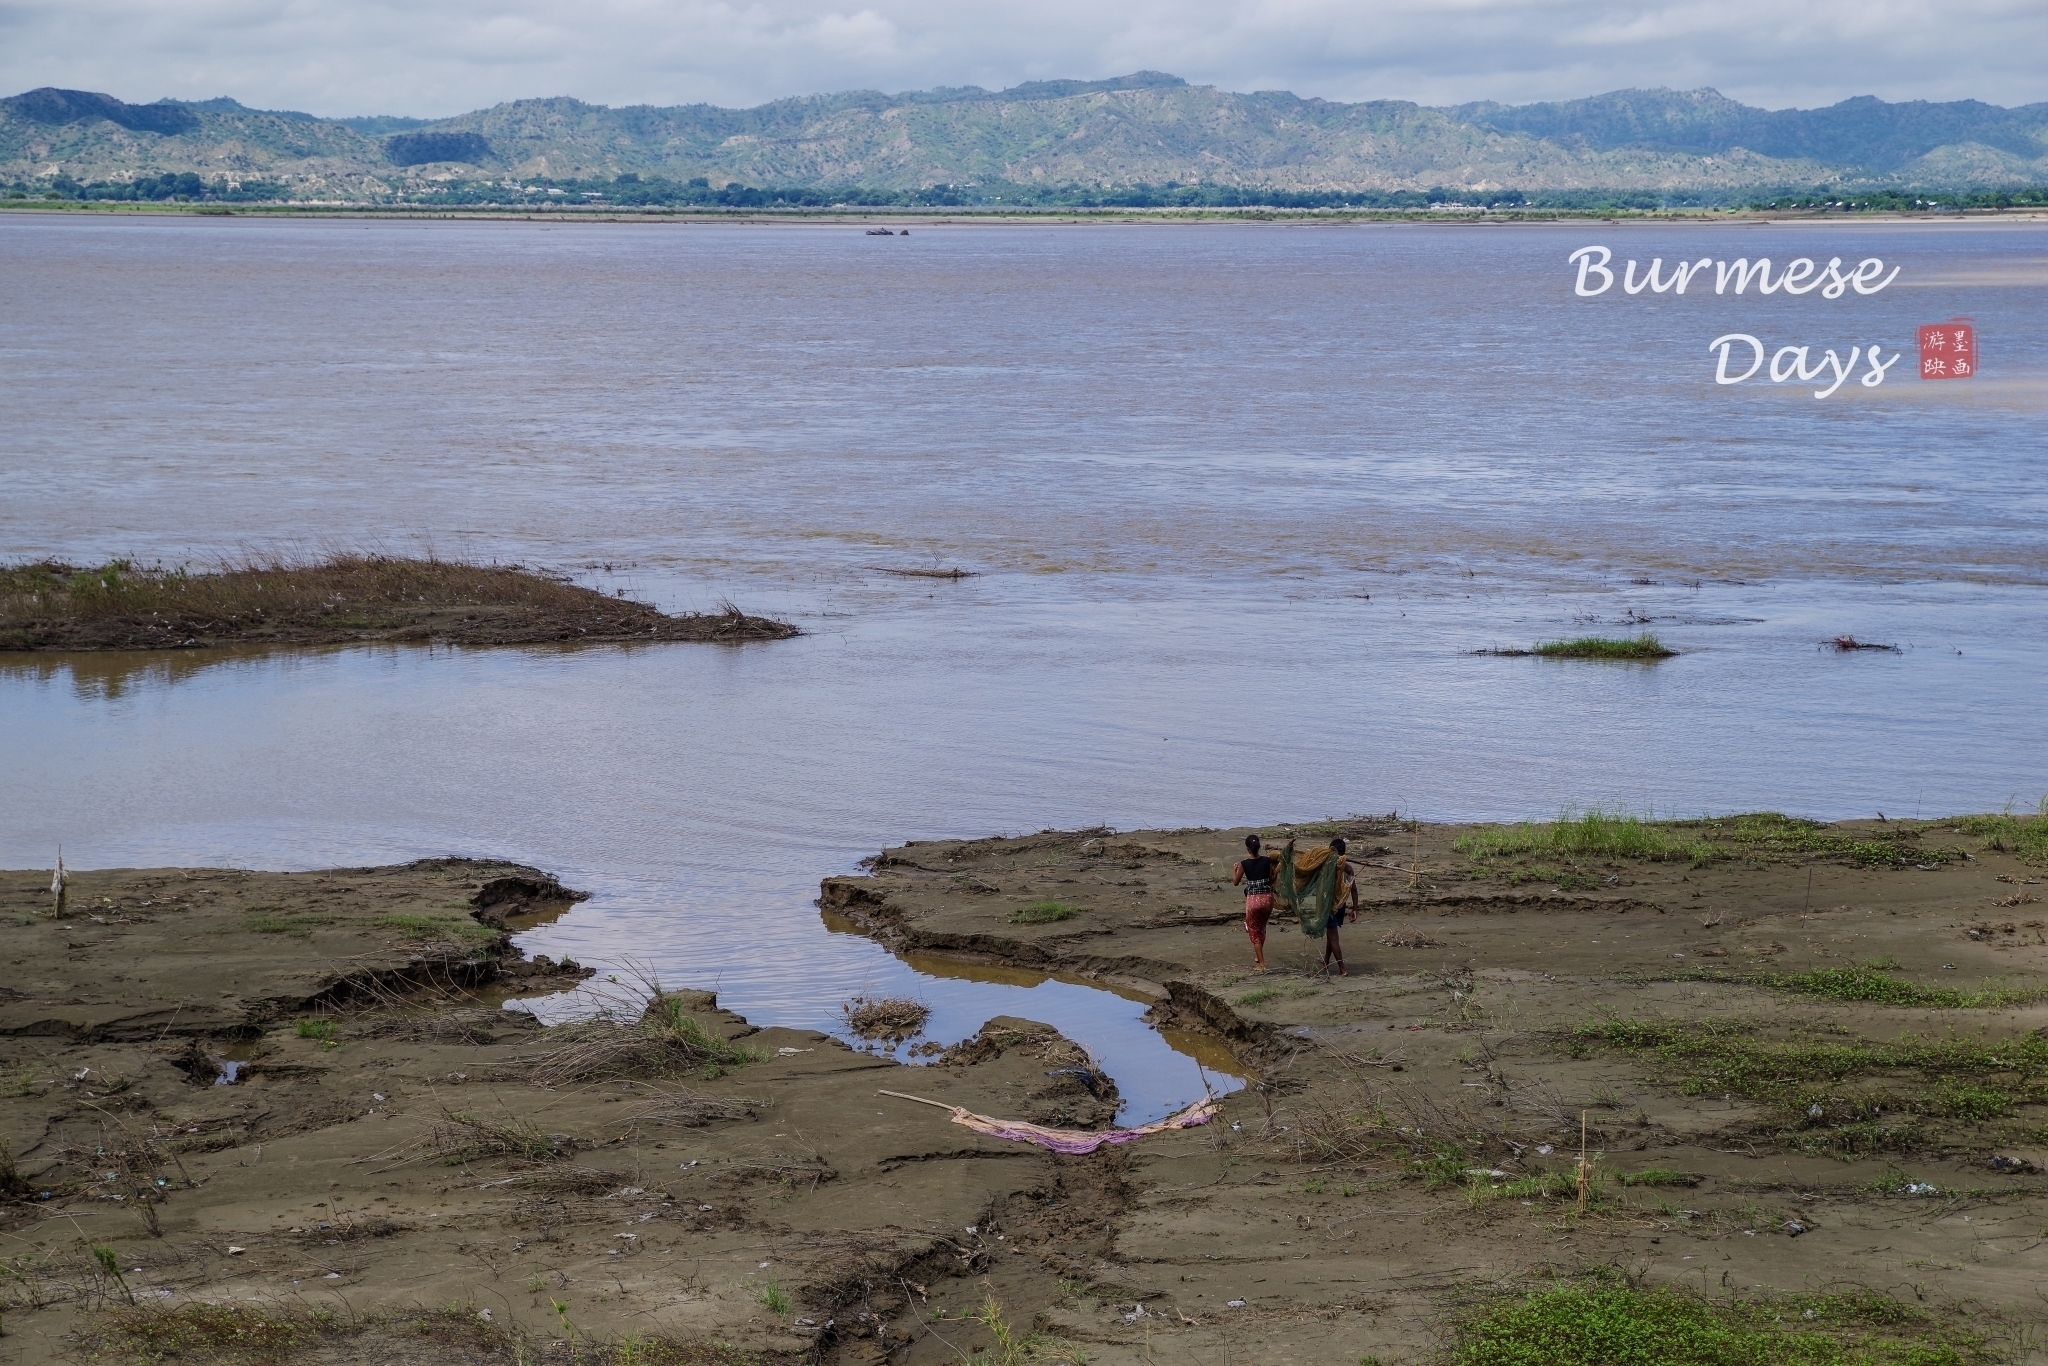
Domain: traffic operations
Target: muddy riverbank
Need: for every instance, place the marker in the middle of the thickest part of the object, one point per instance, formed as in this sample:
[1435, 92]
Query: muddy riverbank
[400, 1168]
[344, 599]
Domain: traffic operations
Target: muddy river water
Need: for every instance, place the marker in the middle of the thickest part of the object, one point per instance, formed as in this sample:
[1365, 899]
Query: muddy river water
[1241, 502]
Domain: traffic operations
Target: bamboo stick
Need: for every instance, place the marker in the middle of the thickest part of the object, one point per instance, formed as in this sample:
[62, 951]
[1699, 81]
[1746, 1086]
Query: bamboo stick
[919, 1099]
[1582, 1162]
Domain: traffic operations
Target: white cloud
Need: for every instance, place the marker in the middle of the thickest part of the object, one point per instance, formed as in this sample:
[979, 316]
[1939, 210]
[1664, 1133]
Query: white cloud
[438, 57]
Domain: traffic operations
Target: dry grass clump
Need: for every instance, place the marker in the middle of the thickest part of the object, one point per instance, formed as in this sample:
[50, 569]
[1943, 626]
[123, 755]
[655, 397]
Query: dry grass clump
[777, 1167]
[1400, 1129]
[668, 1040]
[464, 1137]
[690, 1109]
[894, 1018]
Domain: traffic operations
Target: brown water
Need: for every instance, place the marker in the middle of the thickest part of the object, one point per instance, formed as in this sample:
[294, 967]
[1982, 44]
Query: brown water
[1242, 498]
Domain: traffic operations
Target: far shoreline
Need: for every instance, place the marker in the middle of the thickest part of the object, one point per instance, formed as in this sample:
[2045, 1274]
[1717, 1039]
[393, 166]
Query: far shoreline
[856, 216]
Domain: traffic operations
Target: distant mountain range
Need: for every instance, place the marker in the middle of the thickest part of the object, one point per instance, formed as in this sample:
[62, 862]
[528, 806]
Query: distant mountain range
[1147, 129]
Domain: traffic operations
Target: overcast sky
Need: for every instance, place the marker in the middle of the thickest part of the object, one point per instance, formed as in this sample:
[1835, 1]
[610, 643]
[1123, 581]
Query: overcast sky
[440, 57]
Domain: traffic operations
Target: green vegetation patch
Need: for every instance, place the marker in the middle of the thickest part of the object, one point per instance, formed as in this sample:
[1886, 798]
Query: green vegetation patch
[1043, 913]
[1596, 836]
[1871, 981]
[1258, 996]
[265, 1335]
[1593, 834]
[1836, 1093]
[1642, 647]
[2022, 836]
[1481, 1188]
[459, 929]
[1770, 836]
[1577, 1325]
[127, 606]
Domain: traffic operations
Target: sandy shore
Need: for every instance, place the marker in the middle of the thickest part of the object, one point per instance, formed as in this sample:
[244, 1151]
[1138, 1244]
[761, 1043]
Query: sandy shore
[413, 1172]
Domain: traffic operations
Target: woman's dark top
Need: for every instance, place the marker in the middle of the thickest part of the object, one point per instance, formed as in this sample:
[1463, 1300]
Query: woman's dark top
[1258, 876]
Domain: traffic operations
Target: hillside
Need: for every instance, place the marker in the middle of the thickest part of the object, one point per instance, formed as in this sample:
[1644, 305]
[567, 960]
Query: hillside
[1143, 129]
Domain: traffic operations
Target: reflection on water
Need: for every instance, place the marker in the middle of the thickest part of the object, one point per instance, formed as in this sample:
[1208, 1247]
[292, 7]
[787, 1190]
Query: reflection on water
[1209, 1054]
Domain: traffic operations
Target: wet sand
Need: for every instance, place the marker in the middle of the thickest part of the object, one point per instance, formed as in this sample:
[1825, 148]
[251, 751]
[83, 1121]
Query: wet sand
[404, 1172]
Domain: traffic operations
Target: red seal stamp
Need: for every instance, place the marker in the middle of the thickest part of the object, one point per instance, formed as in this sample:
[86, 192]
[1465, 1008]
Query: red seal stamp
[1948, 350]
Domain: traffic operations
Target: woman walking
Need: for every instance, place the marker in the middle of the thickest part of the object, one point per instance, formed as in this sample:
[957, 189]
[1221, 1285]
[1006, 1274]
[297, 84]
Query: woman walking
[1347, 886]
[1256, 873]
[1318, 884]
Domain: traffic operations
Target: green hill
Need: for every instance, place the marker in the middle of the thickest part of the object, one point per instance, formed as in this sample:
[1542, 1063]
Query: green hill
[1146, 129]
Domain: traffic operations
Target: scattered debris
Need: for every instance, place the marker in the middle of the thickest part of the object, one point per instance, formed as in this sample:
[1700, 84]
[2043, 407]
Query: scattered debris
[891, 1019]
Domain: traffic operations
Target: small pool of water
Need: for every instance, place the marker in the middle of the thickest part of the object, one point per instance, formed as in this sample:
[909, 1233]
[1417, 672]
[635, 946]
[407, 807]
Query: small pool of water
[1157, 1071]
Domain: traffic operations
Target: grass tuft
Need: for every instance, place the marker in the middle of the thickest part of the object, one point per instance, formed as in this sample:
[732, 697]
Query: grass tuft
[323, 1030]
[668, 1040]
[1043, 913]
[437, 929]
[1642, 647]
[462, 1138]
[2024, 837]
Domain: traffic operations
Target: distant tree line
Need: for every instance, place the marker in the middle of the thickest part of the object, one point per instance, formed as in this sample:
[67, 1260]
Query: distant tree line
[630, 190]
[1848, 200]
[635, 191]
[170, 186]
